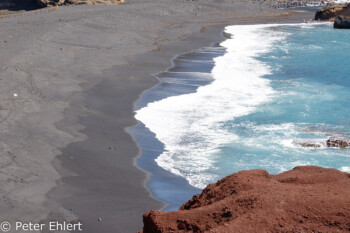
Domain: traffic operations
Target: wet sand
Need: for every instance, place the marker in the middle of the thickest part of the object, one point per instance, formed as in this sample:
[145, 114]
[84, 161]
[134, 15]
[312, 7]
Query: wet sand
[69, 79]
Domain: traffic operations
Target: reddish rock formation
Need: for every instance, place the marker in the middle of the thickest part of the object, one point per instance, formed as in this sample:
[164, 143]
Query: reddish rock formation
[305, 199]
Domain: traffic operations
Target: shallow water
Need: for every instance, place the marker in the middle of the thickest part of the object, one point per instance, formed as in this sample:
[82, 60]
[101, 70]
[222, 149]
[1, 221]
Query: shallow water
[246, 105]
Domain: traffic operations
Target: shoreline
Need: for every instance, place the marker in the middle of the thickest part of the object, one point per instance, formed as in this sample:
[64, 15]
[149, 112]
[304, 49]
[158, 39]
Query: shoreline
[165, 183]
[146, 161]
[185, 45]
[147, 200]
[78, 99]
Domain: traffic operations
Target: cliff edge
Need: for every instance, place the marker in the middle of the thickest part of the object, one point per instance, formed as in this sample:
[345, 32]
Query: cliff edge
[305, 199]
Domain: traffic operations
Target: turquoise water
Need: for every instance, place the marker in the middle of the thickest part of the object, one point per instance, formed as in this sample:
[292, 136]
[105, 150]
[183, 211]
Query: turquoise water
[311, 75]
[246, 105]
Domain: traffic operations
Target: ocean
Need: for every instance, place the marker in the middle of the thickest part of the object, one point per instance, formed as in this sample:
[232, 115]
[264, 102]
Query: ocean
[246, 103]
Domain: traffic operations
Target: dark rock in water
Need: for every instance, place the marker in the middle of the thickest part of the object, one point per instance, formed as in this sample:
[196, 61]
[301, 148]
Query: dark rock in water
[305, 199]
[340, 142]
[331, 11]
[309, 143]
[342, 22]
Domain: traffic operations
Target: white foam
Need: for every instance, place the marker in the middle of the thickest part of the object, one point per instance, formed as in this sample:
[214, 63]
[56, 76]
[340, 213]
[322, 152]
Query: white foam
[287, 136]
[190, 126]
[288, 166]
[318, 143]
[345, 169]
[341, 1]
[280, 136]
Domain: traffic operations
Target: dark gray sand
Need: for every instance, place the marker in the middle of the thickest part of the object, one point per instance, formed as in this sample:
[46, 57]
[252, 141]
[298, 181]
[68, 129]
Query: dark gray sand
[68, 82]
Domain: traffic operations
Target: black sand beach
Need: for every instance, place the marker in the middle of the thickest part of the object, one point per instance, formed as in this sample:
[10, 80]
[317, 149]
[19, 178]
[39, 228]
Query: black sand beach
[69, 79]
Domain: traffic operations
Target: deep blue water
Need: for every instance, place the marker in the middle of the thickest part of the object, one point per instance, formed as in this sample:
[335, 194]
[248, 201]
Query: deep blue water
[246, 105]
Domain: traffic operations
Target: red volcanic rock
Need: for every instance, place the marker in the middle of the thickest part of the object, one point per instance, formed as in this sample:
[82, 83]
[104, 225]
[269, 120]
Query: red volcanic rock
[305, 199]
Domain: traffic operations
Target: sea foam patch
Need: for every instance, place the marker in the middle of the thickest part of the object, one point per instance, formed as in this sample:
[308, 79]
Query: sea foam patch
[191, 126]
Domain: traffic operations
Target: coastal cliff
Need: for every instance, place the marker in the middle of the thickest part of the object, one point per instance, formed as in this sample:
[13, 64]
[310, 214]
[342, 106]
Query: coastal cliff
[305, 199]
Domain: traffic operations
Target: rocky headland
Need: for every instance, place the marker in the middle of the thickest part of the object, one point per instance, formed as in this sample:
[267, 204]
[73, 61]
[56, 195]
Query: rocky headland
[342, 22]
[305, 199]
[332, 10]
[340, 14]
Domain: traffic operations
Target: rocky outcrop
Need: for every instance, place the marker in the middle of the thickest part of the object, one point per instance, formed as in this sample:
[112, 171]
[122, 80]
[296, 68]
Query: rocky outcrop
[340, 142]
[45, 3]
[310, 143]
[342, 22]
[305, 199]
[331, 11]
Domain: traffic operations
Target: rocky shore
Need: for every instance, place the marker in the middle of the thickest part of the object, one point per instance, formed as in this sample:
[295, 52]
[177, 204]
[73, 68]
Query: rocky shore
[342, 22]
[340, 14]
[305, 199]
[331, 11]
